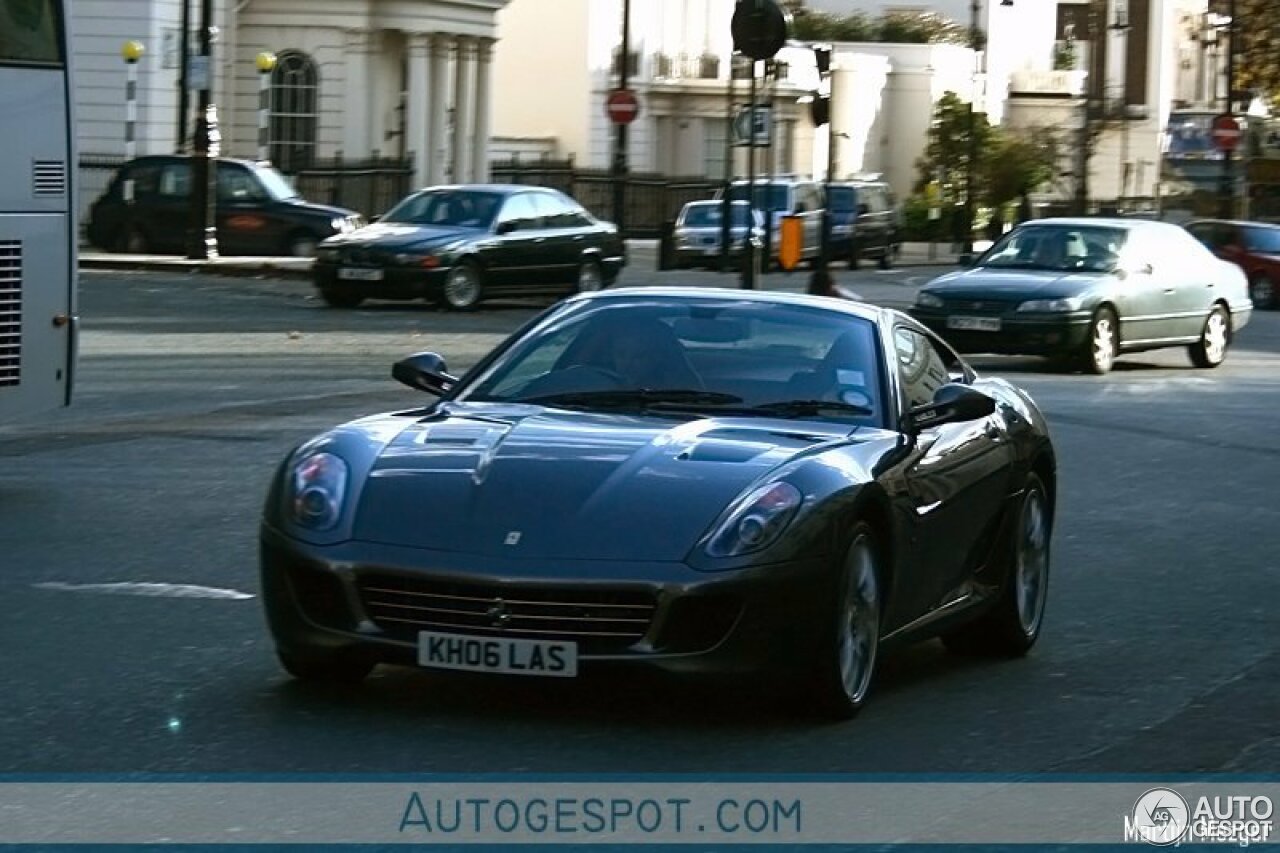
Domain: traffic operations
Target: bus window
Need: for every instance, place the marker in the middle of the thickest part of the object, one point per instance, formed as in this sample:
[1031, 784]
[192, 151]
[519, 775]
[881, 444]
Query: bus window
[29, 32]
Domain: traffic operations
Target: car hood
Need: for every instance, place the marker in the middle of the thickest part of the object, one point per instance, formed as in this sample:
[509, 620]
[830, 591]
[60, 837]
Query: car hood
[301, 205]
[530, 482]
[401, 236]
[1013, 285]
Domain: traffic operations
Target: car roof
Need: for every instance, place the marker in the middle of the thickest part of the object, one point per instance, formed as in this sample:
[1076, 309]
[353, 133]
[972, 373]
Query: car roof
[498, 189]
[174, 158]
[863, 310]
[1102, 222]
[1242, 223]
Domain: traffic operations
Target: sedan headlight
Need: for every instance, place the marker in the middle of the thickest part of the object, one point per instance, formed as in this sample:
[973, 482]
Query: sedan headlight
[756, 521]
[1073, 303]
[317, 488]
[928, 300]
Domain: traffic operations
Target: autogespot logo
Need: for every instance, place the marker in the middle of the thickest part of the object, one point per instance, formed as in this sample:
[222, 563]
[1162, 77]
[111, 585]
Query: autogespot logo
[1160, 817]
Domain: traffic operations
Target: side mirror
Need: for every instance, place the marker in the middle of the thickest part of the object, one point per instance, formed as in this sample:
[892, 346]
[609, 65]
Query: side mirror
[506, 227]
[952, 403]
[424, 371]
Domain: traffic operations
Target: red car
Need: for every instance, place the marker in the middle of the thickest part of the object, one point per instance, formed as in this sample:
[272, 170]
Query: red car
[1254, 246]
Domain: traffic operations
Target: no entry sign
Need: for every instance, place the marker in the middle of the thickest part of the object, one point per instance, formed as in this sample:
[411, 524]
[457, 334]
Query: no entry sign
[622, 106]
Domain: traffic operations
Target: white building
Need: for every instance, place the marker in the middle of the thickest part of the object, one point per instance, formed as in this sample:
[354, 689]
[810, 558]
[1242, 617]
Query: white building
[353, 77]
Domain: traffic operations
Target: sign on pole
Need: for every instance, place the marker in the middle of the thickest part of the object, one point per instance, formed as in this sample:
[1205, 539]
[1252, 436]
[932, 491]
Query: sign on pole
[1226, 132]
[760, 120]
[622, 106]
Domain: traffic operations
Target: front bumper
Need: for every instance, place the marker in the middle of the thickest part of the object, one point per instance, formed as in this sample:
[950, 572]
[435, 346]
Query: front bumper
[1019, 334]
[350, 600]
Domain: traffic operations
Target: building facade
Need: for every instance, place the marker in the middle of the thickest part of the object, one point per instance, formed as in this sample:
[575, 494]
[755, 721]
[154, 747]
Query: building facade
[353, 78]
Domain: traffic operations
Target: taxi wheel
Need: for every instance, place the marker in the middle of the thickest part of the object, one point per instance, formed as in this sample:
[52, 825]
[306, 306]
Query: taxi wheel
[301, 244]
[133, 241]
[886, 259]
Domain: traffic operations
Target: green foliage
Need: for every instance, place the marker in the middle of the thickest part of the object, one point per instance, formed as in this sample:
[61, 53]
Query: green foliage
[1257, 65]
[1017, 163]
[892, 27]
[947, 152]
[1064, 56]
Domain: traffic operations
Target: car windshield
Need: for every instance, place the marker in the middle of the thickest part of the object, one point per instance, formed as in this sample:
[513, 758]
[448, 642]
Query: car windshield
[841, 198]
[775, 196]
[458, 208]
[709, 215]
[276, 185]
[1263, 240]
[691, 356]
[1080, 248]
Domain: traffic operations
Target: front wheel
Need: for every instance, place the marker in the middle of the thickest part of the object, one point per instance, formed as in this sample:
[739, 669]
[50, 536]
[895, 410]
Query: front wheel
[1012, 626]
[1102, 343]
[325, 670]
[847, 660]
[1211, 349]
[462, 288]
[338, 299]
[301, 244]
[133, 241]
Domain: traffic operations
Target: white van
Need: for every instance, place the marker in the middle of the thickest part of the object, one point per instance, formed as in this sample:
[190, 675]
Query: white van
[777, 196]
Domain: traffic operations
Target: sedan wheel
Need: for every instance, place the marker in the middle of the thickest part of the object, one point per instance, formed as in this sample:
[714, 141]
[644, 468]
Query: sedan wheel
[846, 668]
[1103, 342]
[462, 289]
[1211, 350]
[590, 277]
[1012, 626]
[1262, 290]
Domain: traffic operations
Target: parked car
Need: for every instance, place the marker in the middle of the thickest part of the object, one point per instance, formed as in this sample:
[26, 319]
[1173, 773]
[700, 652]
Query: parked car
[699, 229]
[864, 222]
[1089, 289]
[461, 244]
[691, 479]
[146, 209]
[1253, 246]
[776, 196]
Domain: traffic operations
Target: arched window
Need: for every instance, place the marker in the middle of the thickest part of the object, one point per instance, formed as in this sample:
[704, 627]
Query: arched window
[294, 111]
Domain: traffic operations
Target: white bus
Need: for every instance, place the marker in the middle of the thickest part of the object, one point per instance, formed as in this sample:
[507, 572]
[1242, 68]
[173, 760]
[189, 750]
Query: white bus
[38, 236]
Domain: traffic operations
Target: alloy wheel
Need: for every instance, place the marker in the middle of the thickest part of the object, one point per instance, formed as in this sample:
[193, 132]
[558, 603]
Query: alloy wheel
[1215, 338]
[1102, 344]
[859, 627]
[1032, 568]
[462, 287]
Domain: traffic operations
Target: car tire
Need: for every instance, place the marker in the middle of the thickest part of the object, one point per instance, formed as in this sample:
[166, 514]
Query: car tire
[132, 240]
[1012, 625]
[886, 259]
[1262, 290]
[339, 299]
[1215, 336]
[462, 289]
[301, 244]
[1102, 343]
[855, 255]
[327, 669]
[590, 277]
[846, 661]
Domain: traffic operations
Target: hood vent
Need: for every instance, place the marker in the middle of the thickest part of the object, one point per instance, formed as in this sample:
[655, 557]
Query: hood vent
[10, 313]
[48, 178]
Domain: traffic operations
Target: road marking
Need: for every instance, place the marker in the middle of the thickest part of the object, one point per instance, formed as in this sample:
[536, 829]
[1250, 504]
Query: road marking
[149, 590]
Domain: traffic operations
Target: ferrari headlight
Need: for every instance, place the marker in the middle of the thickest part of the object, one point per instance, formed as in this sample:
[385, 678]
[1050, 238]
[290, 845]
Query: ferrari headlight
[756, 521]
[317, 487]
[1053, 305]
[928, 300]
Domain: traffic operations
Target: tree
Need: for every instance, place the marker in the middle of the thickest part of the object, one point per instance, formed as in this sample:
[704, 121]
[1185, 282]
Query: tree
[894, 27]
[1019, 162]
[947, 152]
[1257, 29]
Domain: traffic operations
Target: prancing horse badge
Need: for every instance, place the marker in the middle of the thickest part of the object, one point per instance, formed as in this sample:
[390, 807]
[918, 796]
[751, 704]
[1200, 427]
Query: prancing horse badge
[513, 538]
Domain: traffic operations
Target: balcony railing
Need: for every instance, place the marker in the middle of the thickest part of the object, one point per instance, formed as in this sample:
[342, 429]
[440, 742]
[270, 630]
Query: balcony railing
[686, 66]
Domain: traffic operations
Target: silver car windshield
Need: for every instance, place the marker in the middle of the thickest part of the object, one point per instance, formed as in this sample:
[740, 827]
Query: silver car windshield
[710, 215]
[1061, 248]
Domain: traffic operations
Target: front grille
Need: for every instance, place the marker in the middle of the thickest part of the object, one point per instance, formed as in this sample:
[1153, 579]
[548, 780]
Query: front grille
[10, 312]
[49, 178]
[978, 306]
[364, 257]
[599, 620]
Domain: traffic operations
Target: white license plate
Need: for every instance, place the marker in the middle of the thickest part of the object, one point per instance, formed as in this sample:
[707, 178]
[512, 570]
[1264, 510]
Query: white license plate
[497, 654]
[358, 274]
[974, 324]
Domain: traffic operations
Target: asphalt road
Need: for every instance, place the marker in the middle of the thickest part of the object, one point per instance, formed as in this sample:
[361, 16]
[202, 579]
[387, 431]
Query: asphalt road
[1159, 652]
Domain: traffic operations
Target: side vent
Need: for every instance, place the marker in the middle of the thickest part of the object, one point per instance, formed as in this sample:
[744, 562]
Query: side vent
[10, 313]
[48, 178]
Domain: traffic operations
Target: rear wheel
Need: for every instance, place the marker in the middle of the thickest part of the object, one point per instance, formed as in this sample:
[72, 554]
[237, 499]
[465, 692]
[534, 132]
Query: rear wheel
[886, 259]
[133, 241]
[462, 288]
[1012, 626]
[1262, 290]
[327, 669]
[846, 662]
[1211, 349]
[301, 244]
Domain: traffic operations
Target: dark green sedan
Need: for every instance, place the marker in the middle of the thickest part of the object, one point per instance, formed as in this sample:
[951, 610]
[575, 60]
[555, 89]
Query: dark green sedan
[458, 245]
[1086, 290]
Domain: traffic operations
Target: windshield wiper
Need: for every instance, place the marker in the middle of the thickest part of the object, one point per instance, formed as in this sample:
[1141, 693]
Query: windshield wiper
[801, 408]
[645, 398]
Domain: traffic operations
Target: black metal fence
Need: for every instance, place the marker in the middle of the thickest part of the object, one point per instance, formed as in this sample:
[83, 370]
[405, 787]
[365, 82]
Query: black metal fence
[649, 199]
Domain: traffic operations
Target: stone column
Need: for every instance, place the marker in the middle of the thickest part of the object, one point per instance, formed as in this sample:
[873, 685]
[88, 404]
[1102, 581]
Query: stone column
[463, 107]
[484, 112]
[438, 106]
[417, 135]
[357, 122]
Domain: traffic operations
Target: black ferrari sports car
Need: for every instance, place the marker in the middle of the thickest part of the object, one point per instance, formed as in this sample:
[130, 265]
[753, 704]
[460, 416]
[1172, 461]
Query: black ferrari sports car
[694, 479]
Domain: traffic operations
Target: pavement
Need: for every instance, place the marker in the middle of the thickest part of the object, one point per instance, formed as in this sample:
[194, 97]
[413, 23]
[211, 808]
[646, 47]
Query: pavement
[916, 264]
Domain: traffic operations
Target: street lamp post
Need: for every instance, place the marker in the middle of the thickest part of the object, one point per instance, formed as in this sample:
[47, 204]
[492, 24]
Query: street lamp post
[976, 45]
[266, 63]
[202, 242]
[131, 52]
[1228, 188]
[620, 129]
